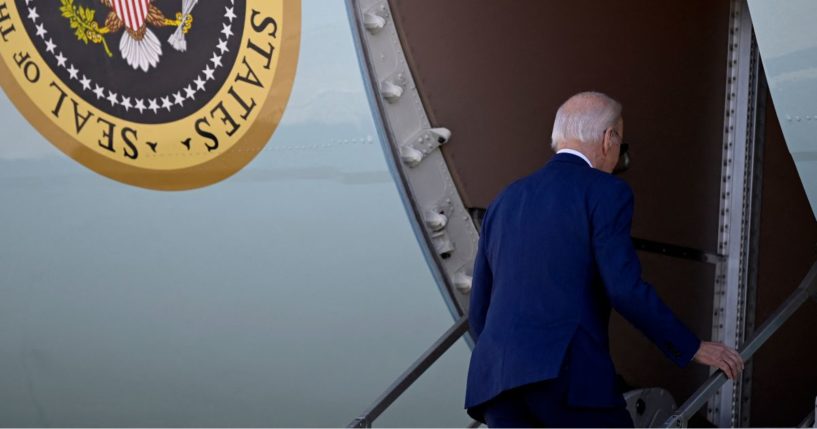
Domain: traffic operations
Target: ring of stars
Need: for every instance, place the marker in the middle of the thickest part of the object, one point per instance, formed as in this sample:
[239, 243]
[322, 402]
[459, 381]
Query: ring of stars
[168, 102]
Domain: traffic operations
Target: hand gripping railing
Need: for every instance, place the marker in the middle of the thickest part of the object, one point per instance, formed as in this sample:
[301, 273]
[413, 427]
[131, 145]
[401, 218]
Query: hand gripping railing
[807, 288]
[410, 375]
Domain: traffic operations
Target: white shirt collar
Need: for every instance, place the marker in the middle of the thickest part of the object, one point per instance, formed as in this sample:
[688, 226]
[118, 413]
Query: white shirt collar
[577, 153]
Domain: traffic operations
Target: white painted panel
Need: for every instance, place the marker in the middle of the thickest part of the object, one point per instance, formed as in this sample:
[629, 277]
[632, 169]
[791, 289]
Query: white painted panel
[787, 36]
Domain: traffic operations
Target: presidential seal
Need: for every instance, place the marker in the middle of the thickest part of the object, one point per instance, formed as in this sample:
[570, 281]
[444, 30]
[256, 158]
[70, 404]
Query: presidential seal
[161, 94]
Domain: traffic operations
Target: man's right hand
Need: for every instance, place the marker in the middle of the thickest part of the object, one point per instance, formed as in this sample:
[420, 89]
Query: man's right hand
[720, 356]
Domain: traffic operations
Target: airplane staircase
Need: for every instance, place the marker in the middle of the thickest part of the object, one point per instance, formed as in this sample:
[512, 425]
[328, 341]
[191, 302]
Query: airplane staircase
[679, 418]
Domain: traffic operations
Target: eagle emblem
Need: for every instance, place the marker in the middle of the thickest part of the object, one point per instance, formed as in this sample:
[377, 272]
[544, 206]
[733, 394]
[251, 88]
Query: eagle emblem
[115, 85]
[138, 45]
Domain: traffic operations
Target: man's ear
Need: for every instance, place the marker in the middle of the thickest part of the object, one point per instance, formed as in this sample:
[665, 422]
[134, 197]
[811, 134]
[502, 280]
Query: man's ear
[607, 141]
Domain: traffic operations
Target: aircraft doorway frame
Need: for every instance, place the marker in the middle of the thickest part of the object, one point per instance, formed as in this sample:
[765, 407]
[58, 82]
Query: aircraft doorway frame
[448, 233]
[741, 177]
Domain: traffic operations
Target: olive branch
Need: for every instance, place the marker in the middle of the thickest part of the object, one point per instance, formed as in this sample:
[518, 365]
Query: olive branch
[82, 20]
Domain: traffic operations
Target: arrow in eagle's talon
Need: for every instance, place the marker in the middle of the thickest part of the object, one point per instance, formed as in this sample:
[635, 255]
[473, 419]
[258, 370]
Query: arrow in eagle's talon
[177, 40]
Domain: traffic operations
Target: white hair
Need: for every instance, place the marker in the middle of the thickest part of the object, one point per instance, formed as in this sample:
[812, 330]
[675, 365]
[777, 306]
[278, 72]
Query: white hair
[584, 117]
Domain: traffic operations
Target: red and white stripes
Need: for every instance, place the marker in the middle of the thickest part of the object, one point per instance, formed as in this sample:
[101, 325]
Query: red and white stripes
[132, 12]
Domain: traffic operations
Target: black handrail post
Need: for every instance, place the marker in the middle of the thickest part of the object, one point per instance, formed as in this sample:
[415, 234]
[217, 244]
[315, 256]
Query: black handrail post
[409, 376]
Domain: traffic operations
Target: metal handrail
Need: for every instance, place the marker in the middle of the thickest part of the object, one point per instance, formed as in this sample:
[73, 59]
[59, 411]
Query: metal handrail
[807, 288]
[409, 376]
[676, 251]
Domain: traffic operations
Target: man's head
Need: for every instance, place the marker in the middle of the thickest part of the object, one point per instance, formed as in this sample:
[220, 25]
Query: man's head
[591, 123]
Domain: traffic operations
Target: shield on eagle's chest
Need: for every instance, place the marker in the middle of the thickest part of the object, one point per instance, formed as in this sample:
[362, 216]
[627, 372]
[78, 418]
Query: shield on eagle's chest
[132, 12]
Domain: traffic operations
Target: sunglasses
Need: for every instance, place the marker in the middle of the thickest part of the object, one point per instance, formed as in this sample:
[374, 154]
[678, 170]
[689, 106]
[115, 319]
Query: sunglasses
[623, 159]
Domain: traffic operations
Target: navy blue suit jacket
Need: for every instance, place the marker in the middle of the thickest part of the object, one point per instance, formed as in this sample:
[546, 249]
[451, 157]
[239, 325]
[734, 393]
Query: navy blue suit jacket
[554, 255]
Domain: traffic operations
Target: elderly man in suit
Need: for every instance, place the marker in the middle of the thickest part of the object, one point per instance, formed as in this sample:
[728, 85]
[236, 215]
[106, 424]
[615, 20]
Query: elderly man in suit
[554, 256]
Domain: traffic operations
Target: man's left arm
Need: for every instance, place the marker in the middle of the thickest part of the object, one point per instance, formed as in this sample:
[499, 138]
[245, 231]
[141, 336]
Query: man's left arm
[620, 270]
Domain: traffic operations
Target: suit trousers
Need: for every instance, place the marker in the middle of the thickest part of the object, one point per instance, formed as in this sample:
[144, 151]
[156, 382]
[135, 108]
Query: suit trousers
[544, 404]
